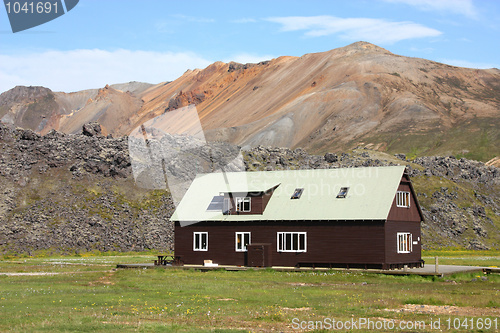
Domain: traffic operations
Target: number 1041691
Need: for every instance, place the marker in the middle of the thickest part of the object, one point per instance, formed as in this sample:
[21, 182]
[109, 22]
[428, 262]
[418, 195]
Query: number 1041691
[40, 7]
[472, 323]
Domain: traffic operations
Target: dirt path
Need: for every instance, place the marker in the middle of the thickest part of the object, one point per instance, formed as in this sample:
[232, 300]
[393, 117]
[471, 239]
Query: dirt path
[447, 310]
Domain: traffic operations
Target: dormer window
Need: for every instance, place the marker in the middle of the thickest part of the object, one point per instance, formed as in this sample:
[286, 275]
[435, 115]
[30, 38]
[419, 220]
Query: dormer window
[243, 204]
[343, 192]
[297, 193]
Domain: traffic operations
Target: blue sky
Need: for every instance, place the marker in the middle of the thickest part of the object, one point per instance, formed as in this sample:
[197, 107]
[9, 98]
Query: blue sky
[103, 42]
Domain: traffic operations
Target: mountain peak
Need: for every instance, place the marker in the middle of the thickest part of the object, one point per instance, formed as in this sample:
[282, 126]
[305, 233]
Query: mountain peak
[362, 46]
[20, 94]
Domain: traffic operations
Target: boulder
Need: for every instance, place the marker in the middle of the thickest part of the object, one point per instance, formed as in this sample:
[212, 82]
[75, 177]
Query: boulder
[92, 129]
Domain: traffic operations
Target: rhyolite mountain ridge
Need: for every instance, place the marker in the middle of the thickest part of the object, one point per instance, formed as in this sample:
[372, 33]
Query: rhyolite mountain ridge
[360, 95]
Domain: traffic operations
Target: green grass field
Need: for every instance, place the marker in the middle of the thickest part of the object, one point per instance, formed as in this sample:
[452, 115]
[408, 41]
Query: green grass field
[462, 257]
[87, 294]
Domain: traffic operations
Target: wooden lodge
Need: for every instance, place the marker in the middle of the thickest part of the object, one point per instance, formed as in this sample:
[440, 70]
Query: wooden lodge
[347, 217]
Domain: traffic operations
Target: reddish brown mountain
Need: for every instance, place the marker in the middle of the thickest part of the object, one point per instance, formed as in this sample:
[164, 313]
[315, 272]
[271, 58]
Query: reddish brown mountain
[358, 95]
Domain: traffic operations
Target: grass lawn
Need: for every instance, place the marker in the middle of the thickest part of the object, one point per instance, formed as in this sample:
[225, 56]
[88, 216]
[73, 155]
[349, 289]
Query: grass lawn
[86, 294]
[463, 257]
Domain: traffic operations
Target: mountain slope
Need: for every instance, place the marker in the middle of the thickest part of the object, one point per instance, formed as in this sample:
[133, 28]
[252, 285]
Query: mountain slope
[358, 95]
[40, 109]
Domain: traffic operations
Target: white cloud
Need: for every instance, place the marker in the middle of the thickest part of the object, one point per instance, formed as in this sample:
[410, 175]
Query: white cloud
[377, 31]
[469, 64]
[462, 7]
[245, 58]
[85, 69]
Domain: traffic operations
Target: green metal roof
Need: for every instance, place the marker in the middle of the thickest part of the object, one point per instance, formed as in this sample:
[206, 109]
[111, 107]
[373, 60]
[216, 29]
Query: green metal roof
[370, 196]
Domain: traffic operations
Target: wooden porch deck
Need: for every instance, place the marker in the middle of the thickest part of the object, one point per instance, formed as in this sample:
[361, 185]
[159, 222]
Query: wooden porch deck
[427, 270]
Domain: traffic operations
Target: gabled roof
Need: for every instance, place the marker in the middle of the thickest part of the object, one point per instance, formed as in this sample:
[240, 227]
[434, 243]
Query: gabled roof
[370, 195]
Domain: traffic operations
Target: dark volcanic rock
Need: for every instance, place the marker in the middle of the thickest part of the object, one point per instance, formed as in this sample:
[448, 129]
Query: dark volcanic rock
[401, 156]
[91, 129]
[331, 158]
[457, 169]
[30, 135]
[70, 193]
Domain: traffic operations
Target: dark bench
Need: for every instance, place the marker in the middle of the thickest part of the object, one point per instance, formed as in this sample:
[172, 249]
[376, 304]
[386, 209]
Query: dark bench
[164, 260]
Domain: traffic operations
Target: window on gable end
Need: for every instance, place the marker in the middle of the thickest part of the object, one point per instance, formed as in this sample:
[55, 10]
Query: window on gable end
[403, 199]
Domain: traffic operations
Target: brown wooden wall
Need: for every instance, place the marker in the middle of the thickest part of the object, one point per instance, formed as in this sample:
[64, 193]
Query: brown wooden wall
[402, 213]
[403, 219]
[341, 242]
[391, 242]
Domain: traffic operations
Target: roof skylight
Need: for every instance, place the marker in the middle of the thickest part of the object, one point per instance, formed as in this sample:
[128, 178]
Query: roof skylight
[297, 193]
[343, 192]
[216, 203]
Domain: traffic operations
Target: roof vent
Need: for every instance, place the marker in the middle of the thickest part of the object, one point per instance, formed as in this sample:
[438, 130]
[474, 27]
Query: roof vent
[297, 193]
[343, 192]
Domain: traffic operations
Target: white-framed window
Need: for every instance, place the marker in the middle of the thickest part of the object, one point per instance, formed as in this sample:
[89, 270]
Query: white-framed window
[405, 242]
[292, 241]
[242, 240]
[243, 204]
[403, 199]
[200, 241]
